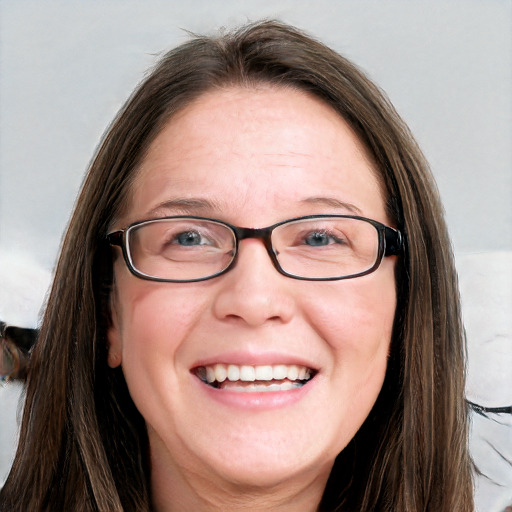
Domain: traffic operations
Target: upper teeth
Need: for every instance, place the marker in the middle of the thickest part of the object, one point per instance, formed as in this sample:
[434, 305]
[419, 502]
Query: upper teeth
[232, 372]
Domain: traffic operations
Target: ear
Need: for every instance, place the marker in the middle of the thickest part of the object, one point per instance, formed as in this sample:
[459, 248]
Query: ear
[115, 345]
[114, 358]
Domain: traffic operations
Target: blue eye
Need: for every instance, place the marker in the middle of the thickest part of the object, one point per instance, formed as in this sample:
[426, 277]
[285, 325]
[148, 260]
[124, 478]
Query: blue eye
[189, 238]
[319, 239]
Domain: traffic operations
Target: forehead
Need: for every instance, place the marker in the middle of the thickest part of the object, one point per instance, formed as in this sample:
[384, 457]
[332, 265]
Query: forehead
[259, 148]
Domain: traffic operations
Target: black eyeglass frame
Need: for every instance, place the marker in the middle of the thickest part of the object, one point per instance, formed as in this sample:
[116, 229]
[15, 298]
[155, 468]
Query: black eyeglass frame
[390, 244]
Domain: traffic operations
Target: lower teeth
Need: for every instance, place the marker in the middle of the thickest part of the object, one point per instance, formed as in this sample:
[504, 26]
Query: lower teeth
[255, 387]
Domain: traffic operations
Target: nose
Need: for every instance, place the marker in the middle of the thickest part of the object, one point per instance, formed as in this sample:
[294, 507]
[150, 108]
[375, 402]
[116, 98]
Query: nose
[254, 291]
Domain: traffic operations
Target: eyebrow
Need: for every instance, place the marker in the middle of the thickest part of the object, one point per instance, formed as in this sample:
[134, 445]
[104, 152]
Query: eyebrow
[185, 206]
[199, 205]
[333, 203]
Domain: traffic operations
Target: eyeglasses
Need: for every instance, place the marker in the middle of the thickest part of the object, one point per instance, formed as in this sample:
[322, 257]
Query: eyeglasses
[314, 248]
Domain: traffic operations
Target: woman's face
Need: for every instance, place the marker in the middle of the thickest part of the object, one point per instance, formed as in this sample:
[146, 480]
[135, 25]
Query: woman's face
[253, 157]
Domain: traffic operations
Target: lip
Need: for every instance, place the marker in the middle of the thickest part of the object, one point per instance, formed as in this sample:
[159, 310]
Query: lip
[258, 401]
[255, 401]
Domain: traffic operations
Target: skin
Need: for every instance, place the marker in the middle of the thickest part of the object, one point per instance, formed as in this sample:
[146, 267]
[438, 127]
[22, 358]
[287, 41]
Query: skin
[252, 157]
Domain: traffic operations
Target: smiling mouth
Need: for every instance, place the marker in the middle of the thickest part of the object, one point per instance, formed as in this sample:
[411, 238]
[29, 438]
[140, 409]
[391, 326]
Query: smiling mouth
[252, 379]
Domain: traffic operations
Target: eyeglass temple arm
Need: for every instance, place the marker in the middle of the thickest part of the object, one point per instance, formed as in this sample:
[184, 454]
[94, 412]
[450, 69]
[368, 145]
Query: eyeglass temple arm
[115, 238]
[394, 242]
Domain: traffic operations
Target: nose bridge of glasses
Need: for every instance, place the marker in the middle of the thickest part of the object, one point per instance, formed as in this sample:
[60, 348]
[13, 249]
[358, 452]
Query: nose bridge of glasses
[263, 234]
[258, 233]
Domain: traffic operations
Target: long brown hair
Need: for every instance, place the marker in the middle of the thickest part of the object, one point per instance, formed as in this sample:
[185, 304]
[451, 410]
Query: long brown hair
[83, 444]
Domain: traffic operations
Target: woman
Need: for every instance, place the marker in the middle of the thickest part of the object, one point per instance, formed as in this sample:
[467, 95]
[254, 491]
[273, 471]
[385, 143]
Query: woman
[185, 363]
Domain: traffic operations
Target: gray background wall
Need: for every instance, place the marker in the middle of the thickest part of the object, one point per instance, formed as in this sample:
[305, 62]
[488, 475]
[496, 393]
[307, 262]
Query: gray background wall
[67, 66]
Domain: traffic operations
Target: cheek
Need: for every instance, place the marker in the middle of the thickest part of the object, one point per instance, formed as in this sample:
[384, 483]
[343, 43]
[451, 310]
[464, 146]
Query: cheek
[154, 322]
[156, 312]
[355, 319]
[355, 309]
